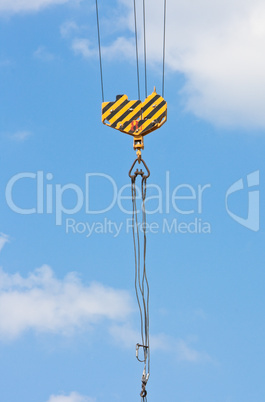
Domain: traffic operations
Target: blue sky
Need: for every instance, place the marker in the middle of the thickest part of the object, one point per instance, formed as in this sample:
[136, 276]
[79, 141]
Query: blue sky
[68, 313]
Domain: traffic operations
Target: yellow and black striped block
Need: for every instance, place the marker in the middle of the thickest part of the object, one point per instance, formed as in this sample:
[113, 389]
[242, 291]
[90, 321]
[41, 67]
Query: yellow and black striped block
[135, 117]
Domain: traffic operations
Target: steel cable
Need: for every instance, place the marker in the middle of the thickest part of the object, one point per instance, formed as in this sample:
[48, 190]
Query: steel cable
[164, 49]
[136, 251]
[136, 48]
[141, 281]
[145, 274]
[145, 68]
[99, 52]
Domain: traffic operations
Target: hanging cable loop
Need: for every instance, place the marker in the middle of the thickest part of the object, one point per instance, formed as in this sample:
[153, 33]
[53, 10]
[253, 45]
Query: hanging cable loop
[137, 172]
[141, 281]
[138, 346]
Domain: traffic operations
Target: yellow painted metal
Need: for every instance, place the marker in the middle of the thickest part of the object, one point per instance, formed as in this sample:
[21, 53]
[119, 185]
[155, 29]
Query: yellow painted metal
[138, 145]
[135, 118]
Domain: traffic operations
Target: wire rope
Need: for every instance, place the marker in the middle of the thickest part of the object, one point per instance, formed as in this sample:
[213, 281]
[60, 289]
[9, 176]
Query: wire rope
[99, 52]
[164, 48]
[136, 252]
[144, 279]
[136, 48]
[141, 281]
[145, 68]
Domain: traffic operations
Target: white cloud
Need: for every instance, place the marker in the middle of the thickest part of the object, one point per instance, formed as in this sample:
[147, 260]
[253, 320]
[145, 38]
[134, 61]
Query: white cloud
[3, 240]
[219, 47]
[185, 352]
[83, 47]
[14, 6]
[20, 136]
[43, 54]
[121, 48]
[182, 349]
[6, 63]
[73, 397]
[68, 28]
[125, 335]
[46, 304]
[43, 303]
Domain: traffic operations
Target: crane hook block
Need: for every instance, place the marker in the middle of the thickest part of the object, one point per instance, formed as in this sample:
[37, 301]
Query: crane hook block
[135, 117]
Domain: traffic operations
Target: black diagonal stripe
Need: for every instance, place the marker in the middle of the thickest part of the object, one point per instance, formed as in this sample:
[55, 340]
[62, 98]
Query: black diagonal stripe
[151, 125]
[107, 107]
[159, 118]
[156, 121]
[121, 106]
[126, 113]
[164, 114]
[155, 110]
[150, 102]
[141, 122]
[134, 117]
